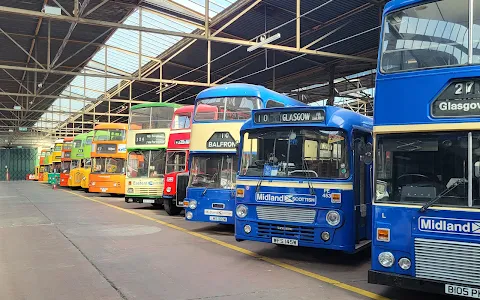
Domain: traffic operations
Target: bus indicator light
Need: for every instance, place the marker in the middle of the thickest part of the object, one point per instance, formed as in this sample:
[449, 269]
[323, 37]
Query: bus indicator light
[240, 193]
[383, 235]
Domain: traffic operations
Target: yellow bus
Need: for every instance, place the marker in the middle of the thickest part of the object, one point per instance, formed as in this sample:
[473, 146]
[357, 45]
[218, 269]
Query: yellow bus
[56, 162]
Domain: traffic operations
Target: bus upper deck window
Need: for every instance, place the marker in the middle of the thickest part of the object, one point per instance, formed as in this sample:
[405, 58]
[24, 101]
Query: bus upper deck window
[426, 36]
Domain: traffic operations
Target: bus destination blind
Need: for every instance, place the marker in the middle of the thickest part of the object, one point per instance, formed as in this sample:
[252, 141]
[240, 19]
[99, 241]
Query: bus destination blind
[150, 138]
[290, 117]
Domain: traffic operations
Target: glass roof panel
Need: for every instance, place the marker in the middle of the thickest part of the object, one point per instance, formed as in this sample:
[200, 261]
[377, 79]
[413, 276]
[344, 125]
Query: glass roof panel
[120, 56]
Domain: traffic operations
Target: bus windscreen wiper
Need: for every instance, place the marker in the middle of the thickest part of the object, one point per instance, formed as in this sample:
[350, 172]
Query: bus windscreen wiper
[439, 196]
[259, 183]
[206, 188]
[310, 185]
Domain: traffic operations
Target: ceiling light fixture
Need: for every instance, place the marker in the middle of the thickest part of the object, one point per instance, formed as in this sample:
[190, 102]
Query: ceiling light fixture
[263, 41]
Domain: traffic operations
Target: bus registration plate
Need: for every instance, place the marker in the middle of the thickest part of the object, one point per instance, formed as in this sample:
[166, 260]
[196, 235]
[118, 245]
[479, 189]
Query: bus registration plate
[284, 241]
[149, 201]
[218, 219]
[462, 291]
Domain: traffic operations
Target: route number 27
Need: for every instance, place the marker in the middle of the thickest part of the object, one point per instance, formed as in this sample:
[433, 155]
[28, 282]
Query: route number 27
[464, 88]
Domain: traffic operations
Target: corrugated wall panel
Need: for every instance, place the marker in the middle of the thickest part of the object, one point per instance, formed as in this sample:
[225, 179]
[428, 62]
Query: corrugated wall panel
[20, 162]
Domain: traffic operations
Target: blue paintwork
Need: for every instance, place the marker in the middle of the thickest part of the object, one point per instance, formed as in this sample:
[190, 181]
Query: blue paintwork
[342, 236]
[221, 195]
[402, 222]
[405, 99]
[336, 117]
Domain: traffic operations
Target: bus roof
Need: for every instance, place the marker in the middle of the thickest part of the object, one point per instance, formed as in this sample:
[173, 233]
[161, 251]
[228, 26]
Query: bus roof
[59, 141]
[187, 109]
[156, 104]
[81, 136]
[68, 139]
[335, 117]
[111, 126]
[246, 90]
[394, 4]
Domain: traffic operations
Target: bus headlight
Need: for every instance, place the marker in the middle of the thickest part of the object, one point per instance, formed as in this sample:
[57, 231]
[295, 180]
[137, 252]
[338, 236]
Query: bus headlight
[404, 263]
[241, 211]
[333, 218]
[247, 228]
[325, 236]
[386, 259]
[189, 215]
[192, 204]
[130, 191]
[169, 189]
[92, 183]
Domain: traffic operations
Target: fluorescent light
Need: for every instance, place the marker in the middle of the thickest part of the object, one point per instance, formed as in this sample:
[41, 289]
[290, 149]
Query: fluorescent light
[17, 107]
[264, 42]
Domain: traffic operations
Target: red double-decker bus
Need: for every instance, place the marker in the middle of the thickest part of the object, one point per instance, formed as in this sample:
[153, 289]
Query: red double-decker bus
[176, 173]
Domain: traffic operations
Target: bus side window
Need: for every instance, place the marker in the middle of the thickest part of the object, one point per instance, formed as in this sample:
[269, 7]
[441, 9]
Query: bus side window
[273, 103]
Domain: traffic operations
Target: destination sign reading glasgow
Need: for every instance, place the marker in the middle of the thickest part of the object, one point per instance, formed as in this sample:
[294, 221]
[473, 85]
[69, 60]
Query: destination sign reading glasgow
[298, 116]
[459, 99]
[300, 199]
[451, 226]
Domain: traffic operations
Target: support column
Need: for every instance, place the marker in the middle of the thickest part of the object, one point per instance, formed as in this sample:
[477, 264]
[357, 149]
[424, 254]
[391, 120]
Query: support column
[298, 24]
[331, 86]
[209, 62]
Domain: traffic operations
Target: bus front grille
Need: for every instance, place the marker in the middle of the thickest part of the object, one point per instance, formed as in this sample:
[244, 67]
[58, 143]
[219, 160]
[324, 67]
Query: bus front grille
[301, 233]
[447, 261]
[150, 191]
[286, 214]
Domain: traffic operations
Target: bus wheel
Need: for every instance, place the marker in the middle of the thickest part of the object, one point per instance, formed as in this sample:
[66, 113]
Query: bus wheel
[86, 190]
[171, 208]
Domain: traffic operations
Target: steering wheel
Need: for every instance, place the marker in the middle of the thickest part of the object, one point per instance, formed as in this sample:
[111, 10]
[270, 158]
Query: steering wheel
[304, 172]
[415, 175]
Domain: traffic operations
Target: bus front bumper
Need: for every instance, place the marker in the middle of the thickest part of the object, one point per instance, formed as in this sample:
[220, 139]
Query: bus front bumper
[423, 285]
[143, 199]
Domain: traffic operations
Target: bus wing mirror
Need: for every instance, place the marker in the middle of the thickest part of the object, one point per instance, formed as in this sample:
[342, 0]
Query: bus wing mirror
[368, 155]
[237, 148]
[477, 169]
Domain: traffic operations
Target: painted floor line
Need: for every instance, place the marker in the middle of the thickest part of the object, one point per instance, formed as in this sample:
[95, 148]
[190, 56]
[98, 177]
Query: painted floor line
[272, 261]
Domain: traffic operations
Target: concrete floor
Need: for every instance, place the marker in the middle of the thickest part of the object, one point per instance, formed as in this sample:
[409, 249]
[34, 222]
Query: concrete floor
[57, 245]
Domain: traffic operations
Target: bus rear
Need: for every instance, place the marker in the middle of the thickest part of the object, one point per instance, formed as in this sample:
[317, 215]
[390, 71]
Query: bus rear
[176, 173]
[66, 161]
[303, 178]
[427, 163]
[147, 144]
[109, 154]
[219, 114]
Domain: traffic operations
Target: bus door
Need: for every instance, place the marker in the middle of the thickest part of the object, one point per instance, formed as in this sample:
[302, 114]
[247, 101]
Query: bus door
[360, 184]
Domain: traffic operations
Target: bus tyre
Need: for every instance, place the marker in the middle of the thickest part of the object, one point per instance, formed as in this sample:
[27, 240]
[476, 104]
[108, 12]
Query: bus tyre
[86, 190]
[171, 208]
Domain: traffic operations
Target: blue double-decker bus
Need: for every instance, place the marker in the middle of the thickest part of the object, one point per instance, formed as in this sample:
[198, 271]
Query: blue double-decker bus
[219, 113]
[427, 141]
[305, 178]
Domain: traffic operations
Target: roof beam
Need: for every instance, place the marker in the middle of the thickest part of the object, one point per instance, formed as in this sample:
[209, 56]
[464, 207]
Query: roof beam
[66, 112]
[136, 78]
[29, 13]
[72, 98]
